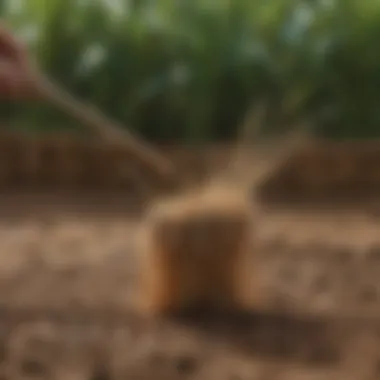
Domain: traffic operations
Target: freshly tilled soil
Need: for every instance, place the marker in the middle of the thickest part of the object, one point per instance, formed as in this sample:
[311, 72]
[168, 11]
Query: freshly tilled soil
[68, 282]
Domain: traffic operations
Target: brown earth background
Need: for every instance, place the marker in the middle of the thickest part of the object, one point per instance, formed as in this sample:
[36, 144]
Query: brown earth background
[70, 210]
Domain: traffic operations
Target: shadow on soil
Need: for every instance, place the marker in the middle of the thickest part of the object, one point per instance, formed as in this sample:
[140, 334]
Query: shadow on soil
[311, 340]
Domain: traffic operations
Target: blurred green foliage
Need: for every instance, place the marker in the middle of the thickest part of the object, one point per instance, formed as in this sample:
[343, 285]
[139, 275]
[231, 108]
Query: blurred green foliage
[188, 70]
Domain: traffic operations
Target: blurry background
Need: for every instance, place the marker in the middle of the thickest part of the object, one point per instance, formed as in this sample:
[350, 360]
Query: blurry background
[187, 70]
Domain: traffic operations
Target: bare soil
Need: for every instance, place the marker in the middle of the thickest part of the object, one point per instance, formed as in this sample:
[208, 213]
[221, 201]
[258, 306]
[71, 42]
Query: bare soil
[68, 278]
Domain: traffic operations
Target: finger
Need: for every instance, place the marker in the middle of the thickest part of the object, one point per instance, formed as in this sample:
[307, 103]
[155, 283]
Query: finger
[10, 47]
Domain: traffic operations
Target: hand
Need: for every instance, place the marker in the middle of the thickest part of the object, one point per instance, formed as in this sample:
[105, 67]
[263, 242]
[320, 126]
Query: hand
[17, 78]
